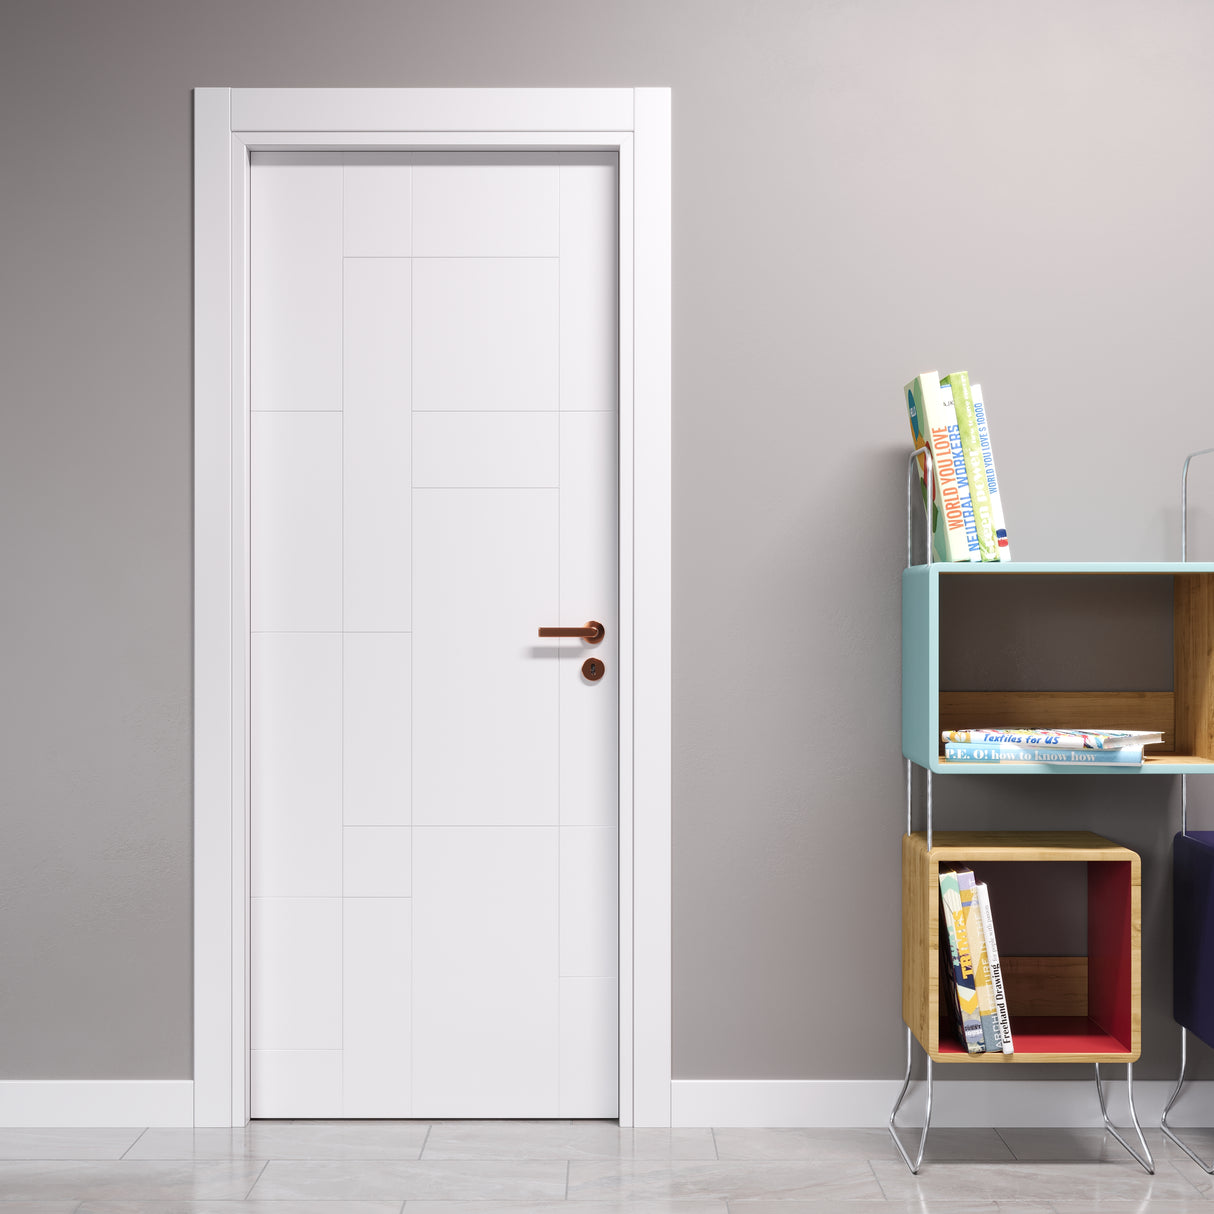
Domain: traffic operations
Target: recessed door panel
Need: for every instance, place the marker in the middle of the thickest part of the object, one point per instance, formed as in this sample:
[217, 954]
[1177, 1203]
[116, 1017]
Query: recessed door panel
[433, 479]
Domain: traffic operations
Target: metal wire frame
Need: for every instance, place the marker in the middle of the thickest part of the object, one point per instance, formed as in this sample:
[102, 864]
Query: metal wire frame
[1168, 1131]
[928, 495]
[917, 1162]
[1148, 1163]
[1184, 500]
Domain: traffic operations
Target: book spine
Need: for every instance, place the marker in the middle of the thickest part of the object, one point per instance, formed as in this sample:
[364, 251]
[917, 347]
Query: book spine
[963, 964]
[975, 752]
[958, 383]
[992, 956]
[992, 481]
[982, 967]
[933, 419]
[973, 550]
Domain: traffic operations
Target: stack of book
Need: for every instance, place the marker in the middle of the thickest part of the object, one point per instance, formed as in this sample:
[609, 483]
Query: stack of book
[948, 416]
[1089, 747]
[970, 971]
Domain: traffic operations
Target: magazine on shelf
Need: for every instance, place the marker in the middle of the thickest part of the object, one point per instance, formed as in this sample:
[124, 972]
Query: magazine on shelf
[977, 752]
[1060, 739]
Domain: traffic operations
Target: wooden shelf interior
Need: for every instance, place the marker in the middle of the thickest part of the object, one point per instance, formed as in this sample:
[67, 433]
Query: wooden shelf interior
[1101, 624]
[1082, 1008]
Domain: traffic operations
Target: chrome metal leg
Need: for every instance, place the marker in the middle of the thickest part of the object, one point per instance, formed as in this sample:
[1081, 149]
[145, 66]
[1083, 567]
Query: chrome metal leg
[1170, 1133]
[927, 1115]
[1145, 1159]
[929, 809]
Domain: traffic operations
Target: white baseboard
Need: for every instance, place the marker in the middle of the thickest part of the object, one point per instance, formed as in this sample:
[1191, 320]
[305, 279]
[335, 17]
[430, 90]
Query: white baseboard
[96, 1102]
[867, 1102]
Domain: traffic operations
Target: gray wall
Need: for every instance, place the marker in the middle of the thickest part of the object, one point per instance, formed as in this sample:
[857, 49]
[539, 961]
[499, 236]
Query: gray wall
[861, 191]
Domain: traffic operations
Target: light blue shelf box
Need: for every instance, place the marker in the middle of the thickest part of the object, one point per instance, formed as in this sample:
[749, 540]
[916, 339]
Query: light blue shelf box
[921, 666]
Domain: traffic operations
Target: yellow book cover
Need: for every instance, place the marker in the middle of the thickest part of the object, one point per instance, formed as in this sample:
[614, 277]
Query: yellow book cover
[983, 982]
[964, 985]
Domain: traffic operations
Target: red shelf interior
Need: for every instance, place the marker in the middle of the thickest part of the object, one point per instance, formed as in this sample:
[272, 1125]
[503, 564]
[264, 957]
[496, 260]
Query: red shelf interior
[1047, 1035]
[1107, 1028]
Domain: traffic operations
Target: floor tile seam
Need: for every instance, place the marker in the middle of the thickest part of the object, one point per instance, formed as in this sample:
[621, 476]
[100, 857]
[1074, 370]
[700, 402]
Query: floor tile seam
[877, 1178]
[1174, 1164]
[248, 1196]
[134, 1144]
[1010, 1149]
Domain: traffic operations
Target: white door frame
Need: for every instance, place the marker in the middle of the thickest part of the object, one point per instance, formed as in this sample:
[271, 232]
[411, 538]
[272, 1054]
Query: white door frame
[229, 124]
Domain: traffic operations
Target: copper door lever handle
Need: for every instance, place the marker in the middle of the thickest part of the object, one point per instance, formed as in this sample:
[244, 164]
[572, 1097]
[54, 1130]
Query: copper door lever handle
[592, 632]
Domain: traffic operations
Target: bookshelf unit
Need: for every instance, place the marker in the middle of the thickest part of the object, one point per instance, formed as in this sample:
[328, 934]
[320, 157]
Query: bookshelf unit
[1185, 713]
[1063, 1009]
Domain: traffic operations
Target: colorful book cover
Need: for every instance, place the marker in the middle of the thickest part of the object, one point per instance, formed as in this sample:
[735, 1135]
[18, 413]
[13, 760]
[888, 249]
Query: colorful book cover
[963, 965]
[973, 752]
[1063, 739]
[914, 393]
[992, 956]
[958, 383]
[933, 421]
[982, 966]
[992, 481]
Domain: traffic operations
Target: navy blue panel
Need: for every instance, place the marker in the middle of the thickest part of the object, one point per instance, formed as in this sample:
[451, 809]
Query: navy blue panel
[1193, 933]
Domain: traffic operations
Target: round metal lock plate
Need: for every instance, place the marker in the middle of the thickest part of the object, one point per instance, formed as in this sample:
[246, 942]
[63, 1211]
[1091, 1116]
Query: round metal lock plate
[592, 668]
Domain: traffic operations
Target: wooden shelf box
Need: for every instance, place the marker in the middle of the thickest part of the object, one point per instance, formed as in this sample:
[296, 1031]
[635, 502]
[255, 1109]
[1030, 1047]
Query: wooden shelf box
[1184, 712]
[1063, 1009]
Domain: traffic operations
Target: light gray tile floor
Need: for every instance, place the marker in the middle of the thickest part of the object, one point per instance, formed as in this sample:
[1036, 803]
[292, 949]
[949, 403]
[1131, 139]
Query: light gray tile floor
[583, 1167]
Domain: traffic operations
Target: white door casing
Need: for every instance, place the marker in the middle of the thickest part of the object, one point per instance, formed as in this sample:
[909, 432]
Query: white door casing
[231, 124]
[432, 474]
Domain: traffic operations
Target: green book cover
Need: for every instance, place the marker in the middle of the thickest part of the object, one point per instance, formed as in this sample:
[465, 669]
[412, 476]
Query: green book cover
[958, 382]
[933, 420]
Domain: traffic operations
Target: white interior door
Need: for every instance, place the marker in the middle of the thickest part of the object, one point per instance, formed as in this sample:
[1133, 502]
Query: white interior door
[433, 458]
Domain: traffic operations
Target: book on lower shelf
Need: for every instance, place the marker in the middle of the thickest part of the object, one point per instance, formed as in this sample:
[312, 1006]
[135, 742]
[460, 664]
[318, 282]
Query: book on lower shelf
[970, 969]
[975, 929]
[996, 969]
[959, 958]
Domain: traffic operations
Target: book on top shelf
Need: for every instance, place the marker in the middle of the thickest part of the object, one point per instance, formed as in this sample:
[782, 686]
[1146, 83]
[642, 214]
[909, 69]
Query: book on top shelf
[933, 422]
[958, 383]
[1060, 739]
[992, 481]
